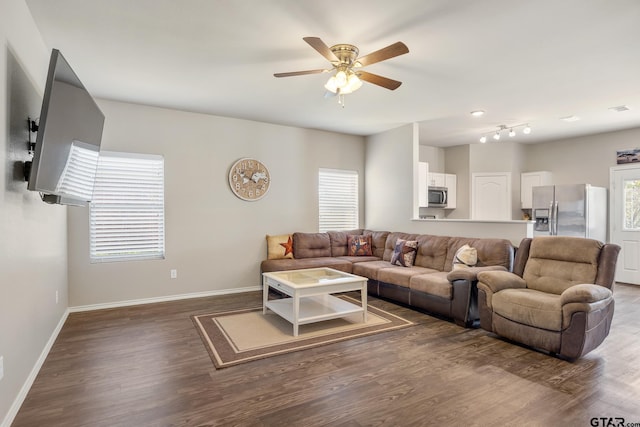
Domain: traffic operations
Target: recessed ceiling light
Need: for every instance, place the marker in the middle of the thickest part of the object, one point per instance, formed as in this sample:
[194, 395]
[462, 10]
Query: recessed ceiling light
[570, 118]
[619, 108]
[477, 113]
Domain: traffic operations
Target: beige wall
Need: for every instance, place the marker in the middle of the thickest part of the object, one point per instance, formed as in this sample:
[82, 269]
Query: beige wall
[457, 162]
[434, 156]
[580, 160]
[214, 239]
[33, 245]
[391, 177]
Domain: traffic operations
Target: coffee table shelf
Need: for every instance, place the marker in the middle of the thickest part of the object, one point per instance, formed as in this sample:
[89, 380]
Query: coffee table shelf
[313, 309]
[310, 298]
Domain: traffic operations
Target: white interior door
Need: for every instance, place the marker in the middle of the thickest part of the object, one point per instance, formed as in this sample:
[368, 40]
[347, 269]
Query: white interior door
[491, 196]
[624, 205]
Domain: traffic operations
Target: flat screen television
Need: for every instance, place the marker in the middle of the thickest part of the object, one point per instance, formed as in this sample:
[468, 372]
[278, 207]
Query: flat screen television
[68, 141]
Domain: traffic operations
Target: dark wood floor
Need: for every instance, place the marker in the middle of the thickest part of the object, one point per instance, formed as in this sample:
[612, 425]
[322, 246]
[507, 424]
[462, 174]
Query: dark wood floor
[146, 366]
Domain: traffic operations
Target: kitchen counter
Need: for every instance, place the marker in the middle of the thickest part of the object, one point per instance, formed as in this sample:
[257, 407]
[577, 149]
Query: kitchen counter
[512, 221]
[513, 230]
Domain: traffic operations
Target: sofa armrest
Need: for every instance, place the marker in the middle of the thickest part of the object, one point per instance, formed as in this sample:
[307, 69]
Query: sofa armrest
[471, 273]
[496, 281]
[585, 293]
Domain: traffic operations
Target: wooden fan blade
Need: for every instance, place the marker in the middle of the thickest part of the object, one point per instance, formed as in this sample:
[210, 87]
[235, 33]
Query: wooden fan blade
[300, 73]
[322, 48]
[379, 80]
[391, 51]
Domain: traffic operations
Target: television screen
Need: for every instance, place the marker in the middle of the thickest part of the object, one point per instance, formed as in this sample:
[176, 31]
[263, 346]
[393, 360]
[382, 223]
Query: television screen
[68, 141]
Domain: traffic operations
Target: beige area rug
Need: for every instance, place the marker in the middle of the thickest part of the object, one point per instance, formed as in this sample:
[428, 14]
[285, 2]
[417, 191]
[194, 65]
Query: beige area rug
[239, 336]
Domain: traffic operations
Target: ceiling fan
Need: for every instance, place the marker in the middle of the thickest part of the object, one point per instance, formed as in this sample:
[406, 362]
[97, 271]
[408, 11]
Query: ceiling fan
[347, 65]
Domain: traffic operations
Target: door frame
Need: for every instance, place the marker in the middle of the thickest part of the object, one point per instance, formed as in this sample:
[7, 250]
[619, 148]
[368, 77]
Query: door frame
[613, 199]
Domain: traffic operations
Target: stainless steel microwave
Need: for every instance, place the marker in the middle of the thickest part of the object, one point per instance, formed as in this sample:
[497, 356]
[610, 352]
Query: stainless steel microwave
[437, 197]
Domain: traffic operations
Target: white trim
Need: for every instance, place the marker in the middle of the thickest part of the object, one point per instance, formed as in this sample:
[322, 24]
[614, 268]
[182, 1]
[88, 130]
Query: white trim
[153, 300]
[19, 400]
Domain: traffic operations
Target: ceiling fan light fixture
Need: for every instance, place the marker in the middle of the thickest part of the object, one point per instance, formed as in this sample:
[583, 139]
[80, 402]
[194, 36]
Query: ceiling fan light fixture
[341, 79]
[331, 85]
[353, 84]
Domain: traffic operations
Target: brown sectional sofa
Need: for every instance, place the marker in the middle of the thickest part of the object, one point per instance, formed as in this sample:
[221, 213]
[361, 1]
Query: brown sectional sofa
[431, 284]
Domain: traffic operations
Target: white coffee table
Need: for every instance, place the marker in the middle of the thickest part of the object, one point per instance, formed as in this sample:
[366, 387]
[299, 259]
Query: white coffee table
[310, 295]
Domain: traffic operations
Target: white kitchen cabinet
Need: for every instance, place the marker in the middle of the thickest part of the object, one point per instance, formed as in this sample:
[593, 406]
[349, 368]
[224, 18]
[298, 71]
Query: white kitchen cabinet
[436, 179]
[426, 180]
[529, 180]
[451, 182]
[491, 196]
[423, 184]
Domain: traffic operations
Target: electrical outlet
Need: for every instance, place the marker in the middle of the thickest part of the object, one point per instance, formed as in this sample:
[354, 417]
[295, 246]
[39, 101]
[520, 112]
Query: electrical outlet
[57, 297]
[174, 274]
[1, 367]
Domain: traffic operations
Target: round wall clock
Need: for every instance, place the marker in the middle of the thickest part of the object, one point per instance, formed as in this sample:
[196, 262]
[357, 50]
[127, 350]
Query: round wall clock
[249, 179]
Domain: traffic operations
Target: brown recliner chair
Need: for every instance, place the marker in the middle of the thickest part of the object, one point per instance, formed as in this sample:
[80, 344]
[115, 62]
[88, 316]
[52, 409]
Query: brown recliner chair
[558, 298]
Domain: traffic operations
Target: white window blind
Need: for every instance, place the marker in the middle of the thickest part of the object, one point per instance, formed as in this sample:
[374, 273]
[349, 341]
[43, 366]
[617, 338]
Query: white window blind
[338, 199]
[79, 173]
[127, 210]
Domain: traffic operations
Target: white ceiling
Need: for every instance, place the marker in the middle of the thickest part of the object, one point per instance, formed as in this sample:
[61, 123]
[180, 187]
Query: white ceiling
[520, 61]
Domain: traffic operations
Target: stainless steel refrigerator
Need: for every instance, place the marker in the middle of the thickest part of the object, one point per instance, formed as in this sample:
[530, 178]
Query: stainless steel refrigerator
[570, 210]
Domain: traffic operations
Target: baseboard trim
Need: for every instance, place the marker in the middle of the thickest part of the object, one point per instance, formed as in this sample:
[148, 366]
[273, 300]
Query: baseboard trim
[127, 303]
[19, 400]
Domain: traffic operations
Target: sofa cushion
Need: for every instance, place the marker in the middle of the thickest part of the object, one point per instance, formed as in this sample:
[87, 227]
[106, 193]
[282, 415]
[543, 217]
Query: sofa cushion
[311, 245]
[433, 284]
[297, 264]
[490, 251]
[529, 307]
[378, 240]
[359, 245]
[555, 264]
[369, 269]
[400, 276]
[494, 252]
[338, 240]
[390, 243]
[280, 247]
[432, 251]
[359, 259]
[404, 253]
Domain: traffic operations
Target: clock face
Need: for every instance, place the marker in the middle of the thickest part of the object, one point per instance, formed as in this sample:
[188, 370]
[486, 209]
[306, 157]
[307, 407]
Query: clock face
[249, 179]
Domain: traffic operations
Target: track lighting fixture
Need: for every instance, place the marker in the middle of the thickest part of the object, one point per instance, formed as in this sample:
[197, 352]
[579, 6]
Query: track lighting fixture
[526, 129]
